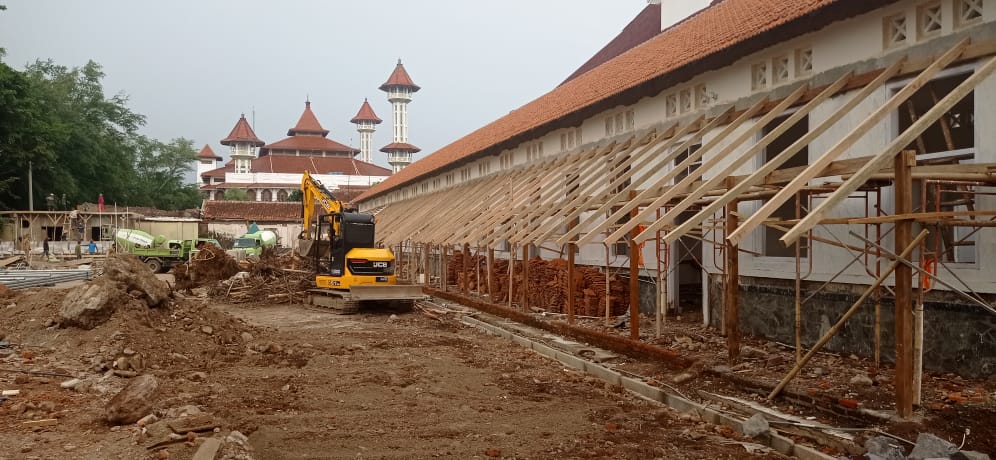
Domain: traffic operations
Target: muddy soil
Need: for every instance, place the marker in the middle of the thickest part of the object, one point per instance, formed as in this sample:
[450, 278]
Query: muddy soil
[303, 383]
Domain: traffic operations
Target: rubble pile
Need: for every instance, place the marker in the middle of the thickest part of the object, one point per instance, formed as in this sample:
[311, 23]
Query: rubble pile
[547, 287]
[115, 350]
[209, 265]
[272, 278]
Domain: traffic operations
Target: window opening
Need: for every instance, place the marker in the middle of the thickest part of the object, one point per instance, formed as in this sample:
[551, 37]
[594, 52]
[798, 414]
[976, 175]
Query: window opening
[771, 247]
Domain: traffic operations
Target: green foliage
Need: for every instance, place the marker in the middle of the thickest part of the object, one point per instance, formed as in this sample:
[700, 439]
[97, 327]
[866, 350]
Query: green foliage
[159, 172]
[296, 195]
[81, 143]
[236, 194]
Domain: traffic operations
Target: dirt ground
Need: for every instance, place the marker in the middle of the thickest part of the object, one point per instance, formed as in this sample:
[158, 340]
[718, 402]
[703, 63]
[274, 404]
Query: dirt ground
[303, 383]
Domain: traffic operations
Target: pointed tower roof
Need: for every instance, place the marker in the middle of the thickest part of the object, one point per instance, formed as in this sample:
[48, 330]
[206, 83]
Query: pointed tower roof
[242, 132]
[399, 78]
[366, 113]
[308, 123]
[208, 154]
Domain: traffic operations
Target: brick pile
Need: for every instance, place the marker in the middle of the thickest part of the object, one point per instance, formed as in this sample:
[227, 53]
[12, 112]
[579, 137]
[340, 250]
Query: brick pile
[547, 284]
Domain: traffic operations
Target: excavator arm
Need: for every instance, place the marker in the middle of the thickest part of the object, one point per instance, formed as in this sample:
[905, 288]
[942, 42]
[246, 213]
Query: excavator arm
[313, 191]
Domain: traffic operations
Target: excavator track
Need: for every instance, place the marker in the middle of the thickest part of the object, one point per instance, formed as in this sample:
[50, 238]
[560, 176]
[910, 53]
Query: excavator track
[332, 301]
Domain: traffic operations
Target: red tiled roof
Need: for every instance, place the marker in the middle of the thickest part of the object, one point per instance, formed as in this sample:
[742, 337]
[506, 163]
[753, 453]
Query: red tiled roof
[316, 165]
[220, 172]
[283, 164]
[308, 123]
[265, 211]
[307, 144]
[366, 113]
[399, 78]
[643, 27]
[400, 146]
[242, 132]
[208, 154]
[710, 39]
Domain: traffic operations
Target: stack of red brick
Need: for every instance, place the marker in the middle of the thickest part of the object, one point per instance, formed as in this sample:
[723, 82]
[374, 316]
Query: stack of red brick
[547, 287]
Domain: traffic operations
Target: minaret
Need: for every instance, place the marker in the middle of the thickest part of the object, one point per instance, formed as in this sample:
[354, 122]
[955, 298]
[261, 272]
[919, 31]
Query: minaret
[399, 88]
[207, 160]
[244, 145]
[366, 122]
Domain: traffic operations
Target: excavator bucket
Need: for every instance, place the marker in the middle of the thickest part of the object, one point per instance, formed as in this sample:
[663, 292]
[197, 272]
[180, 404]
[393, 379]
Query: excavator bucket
[305, 248]
[384, 292]
[309, 248]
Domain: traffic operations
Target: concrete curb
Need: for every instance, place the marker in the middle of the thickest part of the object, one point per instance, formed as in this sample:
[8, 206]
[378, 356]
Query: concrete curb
[775, 441]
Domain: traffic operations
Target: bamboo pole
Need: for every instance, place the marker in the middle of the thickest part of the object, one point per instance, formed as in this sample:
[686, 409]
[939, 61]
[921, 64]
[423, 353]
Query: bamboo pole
[904, 286]
[847, 315]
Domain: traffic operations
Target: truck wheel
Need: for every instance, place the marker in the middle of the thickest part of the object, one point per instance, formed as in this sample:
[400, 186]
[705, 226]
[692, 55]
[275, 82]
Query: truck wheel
[154, 264]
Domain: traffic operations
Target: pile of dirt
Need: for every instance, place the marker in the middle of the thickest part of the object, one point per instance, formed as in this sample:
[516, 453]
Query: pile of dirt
[272, 278]
[547, 286]
[209, 265]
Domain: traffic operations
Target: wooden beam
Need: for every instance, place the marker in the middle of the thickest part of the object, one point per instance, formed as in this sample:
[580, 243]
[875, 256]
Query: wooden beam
[716, 159]
[732, 298]
[758, 177]
[582, 198]
[847, 141]
[920, 216]
[904, 286]
[847, 315]
[634, 281]
[662, 181]
[889, 152]
[613, 197]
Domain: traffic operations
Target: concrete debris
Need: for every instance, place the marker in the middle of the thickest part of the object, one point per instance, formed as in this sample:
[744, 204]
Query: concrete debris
[862, 379]
[749, 352]
[134, 401]
[207, 330]
[193, 423]
[134, 276]
[70, 384]
[208, 449]
[756, 426]
[89, 305]
[682, 378]
[930, 446]
[236, 437]
[885, 448]
[969, 455]
[247, 337]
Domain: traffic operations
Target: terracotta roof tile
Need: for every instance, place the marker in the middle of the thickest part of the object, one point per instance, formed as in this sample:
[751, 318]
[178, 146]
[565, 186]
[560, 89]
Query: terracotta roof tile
[308, 123]
[242, 132]
[643, 27]
[208, 154]
[396, 146]
[307, 144]
[366, 113]
[316, 165]
[399, 78]
[260, 211]
[728, 26]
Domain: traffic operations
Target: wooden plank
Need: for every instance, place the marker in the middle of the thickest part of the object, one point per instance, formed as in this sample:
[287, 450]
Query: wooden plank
[845, 143]
[549, 219]
[581, 198]
[715, 159]
[846, 316]
[904, 286]
[696, 136]
[661, 182]
[732, 298]
[770, 167]
[535, 211]
[919, 216]
[887, 154]
[40, 423]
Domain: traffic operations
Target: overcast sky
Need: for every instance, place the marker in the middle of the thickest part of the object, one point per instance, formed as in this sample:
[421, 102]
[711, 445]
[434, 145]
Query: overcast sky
[192, 67]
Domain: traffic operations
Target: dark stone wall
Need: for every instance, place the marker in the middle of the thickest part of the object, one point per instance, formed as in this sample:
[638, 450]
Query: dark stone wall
[958, 337]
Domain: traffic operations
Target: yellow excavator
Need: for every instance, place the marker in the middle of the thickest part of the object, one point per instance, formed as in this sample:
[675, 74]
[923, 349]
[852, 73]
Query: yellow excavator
[350, 269]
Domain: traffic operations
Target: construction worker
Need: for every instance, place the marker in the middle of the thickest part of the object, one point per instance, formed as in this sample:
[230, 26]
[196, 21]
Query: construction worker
[79, 249]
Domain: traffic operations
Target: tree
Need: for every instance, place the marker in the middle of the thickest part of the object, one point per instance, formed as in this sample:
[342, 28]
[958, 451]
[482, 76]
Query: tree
[159, 174]
[80, 142]
[296, 195]
[236, 194]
